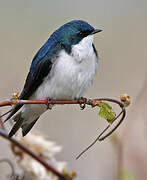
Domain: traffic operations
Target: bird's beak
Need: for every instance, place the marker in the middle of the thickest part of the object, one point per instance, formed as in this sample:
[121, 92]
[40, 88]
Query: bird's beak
[96, 31]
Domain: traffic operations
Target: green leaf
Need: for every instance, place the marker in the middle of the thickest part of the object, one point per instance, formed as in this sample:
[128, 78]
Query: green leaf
[107, 112]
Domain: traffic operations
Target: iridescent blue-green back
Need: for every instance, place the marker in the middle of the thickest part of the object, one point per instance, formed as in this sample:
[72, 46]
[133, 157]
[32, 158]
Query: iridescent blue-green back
[63, 38]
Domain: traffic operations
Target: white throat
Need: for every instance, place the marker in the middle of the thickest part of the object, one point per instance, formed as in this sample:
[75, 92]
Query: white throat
[83, 49]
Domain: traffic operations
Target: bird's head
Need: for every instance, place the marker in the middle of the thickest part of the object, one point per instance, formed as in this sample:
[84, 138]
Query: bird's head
[73, 32]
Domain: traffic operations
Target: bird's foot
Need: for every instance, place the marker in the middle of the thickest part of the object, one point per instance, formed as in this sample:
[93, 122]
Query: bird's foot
[49, 106]
[82, 102]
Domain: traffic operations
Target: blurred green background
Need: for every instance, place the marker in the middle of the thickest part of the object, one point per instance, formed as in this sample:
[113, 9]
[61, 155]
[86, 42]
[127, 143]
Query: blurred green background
[122, 47]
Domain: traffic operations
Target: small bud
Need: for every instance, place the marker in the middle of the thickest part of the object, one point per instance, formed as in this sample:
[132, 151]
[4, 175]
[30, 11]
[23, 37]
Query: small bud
[69, 175]
[96, 103]
[125, 98]
[73, 175]
[65, 172]
[15, 95]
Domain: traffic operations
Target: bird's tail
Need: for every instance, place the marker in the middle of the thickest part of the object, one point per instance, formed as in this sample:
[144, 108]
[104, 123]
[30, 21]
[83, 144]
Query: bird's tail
[27, 127]
[19, 122]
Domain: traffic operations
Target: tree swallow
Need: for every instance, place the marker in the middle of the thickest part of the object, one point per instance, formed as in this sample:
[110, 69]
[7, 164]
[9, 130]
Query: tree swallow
[63, 68]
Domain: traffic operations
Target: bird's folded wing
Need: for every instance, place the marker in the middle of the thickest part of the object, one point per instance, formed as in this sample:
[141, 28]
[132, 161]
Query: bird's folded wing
[40, 68]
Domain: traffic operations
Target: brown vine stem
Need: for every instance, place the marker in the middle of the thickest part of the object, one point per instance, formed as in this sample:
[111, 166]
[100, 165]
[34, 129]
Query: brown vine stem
[91, 102]
[82, 101]
[100, 137]
[4, 134]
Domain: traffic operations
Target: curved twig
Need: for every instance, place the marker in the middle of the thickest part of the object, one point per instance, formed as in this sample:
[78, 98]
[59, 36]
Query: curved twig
[4, 134]
[100, 137]
[91, 102]
[88, 147]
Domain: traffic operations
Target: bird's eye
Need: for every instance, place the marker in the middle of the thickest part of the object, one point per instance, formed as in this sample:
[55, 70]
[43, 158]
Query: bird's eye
[80, 33]
[84, 33]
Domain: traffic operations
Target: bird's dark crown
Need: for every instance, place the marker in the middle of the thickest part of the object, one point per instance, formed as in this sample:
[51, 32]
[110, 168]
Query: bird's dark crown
[72, 33]
[67, 35]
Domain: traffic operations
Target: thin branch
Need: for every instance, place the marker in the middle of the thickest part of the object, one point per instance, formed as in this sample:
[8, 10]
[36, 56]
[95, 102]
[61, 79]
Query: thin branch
[123, 112]
[125, 100]
[4, 134]
[101, 137]
[86, 149]
[92, 102]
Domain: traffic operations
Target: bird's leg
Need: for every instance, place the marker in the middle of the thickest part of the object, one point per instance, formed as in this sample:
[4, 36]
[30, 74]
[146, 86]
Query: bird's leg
[49, 106]
[83, 104]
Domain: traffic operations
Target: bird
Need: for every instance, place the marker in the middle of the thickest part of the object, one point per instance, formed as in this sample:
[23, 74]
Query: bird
[63, 68]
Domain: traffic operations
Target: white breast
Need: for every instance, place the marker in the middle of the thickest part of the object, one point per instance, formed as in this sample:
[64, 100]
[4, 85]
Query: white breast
[71, 75]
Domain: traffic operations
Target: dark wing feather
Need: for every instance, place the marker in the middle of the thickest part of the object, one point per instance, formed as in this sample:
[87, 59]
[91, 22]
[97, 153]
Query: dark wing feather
[40, 67]
[95, 50]
[35, 78]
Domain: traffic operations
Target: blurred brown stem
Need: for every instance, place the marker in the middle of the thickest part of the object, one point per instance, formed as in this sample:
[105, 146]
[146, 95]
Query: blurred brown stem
[4, 134]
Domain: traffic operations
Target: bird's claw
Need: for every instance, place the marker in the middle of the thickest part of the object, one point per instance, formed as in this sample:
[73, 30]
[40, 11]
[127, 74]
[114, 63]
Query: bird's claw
[83, 104]
[49, 106]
